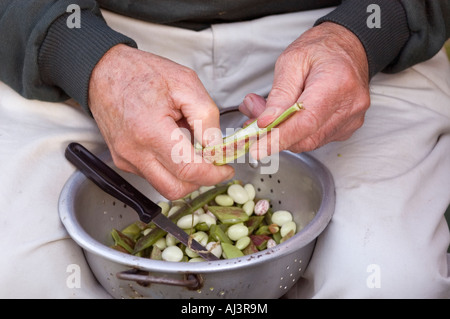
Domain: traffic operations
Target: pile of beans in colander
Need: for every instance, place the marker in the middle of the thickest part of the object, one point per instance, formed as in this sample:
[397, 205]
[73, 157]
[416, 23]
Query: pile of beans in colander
[227, 220]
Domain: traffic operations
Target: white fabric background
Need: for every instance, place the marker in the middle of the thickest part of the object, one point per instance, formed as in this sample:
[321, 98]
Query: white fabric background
[392, 176]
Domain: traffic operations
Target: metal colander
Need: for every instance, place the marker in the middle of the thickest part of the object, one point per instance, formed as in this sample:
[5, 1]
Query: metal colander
[301, 185]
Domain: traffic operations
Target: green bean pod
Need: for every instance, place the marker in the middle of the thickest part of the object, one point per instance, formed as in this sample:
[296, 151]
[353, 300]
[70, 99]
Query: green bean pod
[238, 144]
[122, 240]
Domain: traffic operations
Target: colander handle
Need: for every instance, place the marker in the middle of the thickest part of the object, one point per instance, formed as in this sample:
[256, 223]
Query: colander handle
[190, 281]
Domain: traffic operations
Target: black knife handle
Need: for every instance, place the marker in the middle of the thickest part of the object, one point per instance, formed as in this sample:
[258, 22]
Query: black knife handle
[111, 182]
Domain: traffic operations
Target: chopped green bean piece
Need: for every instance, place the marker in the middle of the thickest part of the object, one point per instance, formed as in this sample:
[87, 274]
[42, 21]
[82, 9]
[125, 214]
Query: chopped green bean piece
[217, 234]
[229, 215]
[253, 223]
[231, 251]
[122, 240]
[156, 253]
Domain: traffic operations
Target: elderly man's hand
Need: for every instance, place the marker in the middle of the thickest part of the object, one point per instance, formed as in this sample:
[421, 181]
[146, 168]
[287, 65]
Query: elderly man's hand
[326, 68]
[139, 101]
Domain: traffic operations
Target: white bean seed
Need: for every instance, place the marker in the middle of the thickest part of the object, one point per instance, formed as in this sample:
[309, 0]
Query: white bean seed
[196, 260]
[250, 191]
[199, 211]
[236, 232]
[287, 227]
[165, 207]
[238, 193]
[281, 217]
[201, 237]
[161, 243]
[190, 253]
[261, 207]
[171, 240]
[249, 207]
[194, 194]
[178, 202]
[173, 210]
[172, 253]
[243, 242]
[207, 219]
[211, 214]
[271, 243]
[224, 200]
[215, 248]
[187, 221]
[203, 189]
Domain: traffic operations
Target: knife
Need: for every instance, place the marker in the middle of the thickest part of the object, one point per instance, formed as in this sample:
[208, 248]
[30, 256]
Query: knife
[115, 185]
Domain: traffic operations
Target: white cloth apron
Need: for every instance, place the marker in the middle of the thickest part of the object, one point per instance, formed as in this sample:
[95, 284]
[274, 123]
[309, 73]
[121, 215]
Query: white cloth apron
[388, 237]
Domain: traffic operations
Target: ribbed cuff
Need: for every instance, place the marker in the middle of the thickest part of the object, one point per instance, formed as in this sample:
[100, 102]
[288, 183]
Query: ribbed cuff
[68, 55]
[382, 44]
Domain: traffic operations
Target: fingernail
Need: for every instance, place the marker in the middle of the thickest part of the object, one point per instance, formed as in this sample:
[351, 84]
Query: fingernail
[254, 153]
[230, 175]
[248, 103]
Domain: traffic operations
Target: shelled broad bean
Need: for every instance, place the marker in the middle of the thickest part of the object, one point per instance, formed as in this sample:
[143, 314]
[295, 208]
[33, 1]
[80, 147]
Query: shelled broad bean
[227, 220]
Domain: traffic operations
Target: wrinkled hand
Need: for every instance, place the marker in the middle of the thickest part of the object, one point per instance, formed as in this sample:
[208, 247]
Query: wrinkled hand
[138, 101]
[326, 68]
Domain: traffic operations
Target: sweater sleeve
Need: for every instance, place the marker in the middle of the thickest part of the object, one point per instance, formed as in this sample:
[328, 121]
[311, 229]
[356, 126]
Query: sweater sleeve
[429, 28]
[45, 58]
[408, 31]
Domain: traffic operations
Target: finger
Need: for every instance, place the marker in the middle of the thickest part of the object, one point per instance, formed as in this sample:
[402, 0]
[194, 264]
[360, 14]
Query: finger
[338, 127]
[179, 157]
[326, 112]
[200, 111]
[252, 105]
[297, 134]
[287, 87]
[156, 174]
[334, 130]
[165, 182]
[205, 123]
[301, 125]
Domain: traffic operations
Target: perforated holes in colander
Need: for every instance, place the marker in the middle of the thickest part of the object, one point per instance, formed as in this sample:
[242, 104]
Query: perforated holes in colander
[270, 186]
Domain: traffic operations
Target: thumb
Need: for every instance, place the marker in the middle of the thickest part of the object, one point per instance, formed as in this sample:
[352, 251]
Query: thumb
[286, 90]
